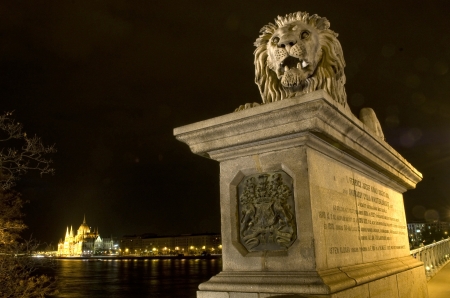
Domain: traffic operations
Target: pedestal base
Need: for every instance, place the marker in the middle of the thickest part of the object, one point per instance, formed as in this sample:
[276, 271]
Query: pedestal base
[402, 277]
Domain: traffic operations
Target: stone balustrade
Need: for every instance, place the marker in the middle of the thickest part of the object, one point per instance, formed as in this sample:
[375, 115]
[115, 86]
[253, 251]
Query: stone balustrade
[434, 256]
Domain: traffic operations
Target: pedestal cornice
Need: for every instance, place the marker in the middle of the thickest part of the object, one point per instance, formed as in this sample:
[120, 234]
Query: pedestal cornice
[286, 121]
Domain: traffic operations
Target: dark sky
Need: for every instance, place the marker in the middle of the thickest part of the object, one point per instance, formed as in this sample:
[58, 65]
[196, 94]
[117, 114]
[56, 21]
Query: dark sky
[107, 81]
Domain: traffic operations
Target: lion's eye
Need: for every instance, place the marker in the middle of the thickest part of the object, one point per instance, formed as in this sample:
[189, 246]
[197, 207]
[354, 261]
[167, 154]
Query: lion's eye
[305, 34]
[275, 40]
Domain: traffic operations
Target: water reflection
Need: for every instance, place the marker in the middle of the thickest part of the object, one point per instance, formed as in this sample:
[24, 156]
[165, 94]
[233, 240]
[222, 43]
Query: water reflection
[134, 278]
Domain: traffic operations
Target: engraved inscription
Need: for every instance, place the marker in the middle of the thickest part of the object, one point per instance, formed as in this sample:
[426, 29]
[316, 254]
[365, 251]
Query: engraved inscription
[266, 212]
[373, 219]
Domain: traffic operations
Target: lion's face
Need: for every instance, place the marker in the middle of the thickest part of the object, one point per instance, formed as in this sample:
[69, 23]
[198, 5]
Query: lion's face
[294, 53]
[297, 55]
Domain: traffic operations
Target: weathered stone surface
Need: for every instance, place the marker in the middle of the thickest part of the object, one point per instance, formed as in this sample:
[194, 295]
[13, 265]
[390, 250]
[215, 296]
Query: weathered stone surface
[410, 283]
[384, 287]
[363, 218]
[209, 294]
[297, 55]
[283, 124]
[265, 295]
[347, 188]
[368, 117]
[356, 292]
[243, 295]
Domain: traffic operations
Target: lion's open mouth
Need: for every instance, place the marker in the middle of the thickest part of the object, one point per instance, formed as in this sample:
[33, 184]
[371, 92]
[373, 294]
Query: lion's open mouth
[292, 62]
[293, 71]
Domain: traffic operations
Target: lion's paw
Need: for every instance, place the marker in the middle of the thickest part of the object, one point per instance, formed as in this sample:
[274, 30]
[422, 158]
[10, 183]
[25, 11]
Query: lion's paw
[247, 106]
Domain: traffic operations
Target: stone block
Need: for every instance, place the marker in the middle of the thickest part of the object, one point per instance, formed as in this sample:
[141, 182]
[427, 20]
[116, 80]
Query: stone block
[243, 295]
[265, 295]
[361, 291]
[339, 231]
[210, 294]
[384, 287]
[410, 283]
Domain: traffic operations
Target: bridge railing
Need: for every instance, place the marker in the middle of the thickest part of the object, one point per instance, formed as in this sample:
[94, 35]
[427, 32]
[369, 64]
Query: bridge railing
[434, 256]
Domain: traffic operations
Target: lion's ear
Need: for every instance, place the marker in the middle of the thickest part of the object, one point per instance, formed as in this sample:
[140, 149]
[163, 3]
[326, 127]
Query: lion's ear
[322, 23]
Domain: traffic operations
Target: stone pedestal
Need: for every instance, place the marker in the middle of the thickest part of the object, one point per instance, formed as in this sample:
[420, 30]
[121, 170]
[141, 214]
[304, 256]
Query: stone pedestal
[311, 203]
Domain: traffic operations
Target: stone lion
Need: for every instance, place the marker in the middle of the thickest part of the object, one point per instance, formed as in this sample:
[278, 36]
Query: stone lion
[297, 55]
[300, 54]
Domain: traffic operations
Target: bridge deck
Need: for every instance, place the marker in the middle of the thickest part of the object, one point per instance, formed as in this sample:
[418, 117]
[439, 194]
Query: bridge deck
[439, 285]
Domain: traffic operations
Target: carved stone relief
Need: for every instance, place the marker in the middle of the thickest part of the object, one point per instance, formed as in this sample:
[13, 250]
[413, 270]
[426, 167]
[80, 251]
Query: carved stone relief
[266, 212]
[299, 54]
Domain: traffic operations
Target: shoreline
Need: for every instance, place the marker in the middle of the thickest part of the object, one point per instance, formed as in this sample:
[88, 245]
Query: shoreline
[101, 258]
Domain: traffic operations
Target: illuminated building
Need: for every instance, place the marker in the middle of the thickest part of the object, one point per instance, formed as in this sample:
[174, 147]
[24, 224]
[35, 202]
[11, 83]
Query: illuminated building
[423, 233]
[84, 242]
[187, 244]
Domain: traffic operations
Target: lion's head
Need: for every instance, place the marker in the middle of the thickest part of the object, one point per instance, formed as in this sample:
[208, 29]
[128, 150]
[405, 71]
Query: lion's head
[297, 55]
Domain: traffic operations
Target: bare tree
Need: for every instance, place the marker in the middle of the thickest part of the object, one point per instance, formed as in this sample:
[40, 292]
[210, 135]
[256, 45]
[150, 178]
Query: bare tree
[18, 268]
[19, 154]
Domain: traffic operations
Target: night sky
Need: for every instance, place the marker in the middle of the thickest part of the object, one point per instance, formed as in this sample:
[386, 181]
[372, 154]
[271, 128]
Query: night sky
[107, 81]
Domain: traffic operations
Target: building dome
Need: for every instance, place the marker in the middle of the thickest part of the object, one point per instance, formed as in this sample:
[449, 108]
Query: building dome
[84, 228]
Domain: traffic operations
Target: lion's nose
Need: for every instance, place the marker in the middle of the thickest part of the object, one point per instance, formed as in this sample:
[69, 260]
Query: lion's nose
[287, 44]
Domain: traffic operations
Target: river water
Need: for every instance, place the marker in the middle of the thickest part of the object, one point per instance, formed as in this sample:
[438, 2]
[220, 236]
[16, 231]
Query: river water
[134, 278]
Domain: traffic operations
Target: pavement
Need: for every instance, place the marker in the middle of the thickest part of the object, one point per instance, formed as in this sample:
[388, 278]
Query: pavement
[439, 285]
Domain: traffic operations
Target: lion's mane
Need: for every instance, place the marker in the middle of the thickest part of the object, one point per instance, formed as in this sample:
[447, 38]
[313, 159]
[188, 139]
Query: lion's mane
[329, 74]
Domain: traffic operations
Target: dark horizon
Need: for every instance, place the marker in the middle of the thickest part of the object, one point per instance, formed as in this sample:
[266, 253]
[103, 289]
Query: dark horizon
[107, 81]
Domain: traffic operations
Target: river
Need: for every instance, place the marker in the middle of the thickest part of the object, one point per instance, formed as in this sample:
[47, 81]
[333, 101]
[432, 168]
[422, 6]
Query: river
[134, 278]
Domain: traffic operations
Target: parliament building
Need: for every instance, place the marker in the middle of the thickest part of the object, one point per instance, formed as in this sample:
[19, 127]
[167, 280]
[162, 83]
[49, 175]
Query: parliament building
[84, 243]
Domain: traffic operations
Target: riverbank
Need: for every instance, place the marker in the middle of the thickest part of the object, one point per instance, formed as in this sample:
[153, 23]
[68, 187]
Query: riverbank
[129, 257]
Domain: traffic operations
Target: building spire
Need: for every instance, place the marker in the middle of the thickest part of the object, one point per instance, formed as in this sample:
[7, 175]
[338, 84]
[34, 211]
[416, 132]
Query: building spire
[84, 219]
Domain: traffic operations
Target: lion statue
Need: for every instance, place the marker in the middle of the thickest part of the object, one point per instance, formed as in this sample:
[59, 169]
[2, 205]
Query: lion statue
[300, 54]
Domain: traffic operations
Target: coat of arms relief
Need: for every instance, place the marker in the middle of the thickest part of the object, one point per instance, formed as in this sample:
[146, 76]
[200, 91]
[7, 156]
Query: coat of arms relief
[266, 212]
